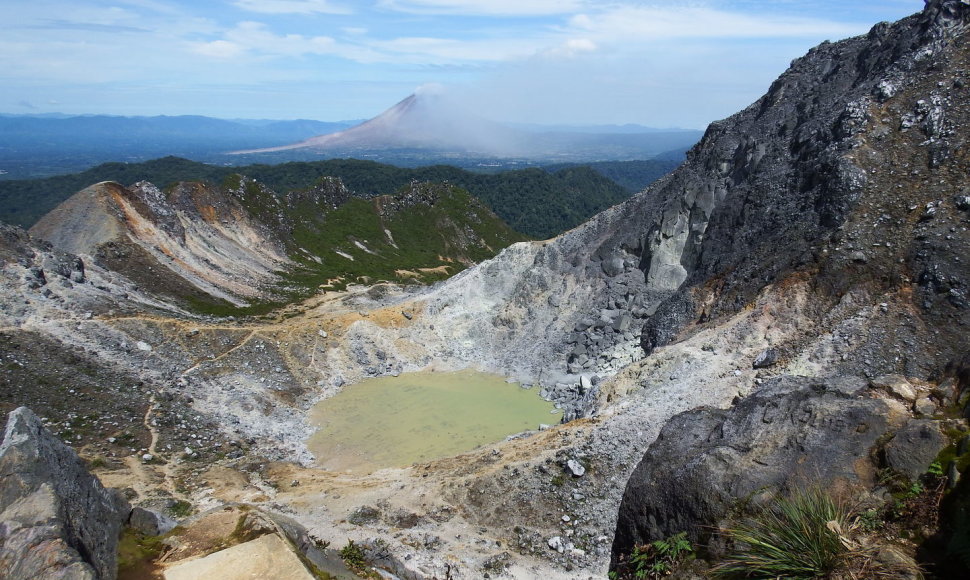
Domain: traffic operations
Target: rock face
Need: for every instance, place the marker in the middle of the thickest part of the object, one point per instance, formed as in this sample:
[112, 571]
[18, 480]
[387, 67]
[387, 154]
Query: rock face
[848, 176]
[56, 520]
[791, 434]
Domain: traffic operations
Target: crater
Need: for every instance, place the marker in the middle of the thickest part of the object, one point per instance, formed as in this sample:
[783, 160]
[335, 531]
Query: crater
[396, 421]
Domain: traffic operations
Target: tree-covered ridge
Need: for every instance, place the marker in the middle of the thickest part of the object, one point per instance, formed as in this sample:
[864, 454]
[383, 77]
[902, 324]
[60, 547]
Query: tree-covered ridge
[534, 202]
[422, 233]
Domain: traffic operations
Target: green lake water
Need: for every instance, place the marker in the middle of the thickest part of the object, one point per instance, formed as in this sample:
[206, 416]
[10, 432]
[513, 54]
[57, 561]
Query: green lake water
[397, 421]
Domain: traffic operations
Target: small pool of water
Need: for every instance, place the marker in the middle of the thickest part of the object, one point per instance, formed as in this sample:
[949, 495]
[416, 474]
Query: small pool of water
[397, 421]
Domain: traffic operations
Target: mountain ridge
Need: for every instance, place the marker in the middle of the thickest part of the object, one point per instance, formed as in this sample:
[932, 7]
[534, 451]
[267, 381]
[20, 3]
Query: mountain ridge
[568, 195]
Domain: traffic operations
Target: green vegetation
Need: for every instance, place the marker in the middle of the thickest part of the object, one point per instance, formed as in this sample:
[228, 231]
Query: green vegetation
[657, 559]
[797, 537]
[355, 559]
[535, 202]
[181, 508]
[633, 176]
[137, 553]
[427, 232]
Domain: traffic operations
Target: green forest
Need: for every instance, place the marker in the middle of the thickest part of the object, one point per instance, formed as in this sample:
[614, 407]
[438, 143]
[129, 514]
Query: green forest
[539, 203]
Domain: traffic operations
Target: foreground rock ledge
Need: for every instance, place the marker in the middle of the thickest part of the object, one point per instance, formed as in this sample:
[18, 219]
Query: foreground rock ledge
[56, 519]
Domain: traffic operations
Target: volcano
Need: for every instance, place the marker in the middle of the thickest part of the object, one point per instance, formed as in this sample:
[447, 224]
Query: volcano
[424, 120]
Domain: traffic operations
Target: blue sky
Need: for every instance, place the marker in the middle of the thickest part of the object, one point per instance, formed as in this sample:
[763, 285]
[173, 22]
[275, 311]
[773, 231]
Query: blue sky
[677, 63]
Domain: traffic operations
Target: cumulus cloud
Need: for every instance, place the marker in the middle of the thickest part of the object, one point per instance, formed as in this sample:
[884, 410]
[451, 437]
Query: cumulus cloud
[292, 7]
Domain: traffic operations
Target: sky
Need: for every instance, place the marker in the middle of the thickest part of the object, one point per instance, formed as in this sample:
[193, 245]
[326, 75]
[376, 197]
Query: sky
[676, 63]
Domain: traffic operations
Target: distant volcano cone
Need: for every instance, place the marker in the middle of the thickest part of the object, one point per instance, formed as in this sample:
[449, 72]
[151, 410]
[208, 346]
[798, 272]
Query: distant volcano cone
[426, 120]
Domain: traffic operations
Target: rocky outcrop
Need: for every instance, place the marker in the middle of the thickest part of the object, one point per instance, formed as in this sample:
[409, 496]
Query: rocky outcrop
[793, 433]
[56, 520]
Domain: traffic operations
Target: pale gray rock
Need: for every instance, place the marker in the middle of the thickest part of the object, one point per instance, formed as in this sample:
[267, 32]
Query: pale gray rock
[575, 468]
[897, 385]
[56, 520]
[924, 407]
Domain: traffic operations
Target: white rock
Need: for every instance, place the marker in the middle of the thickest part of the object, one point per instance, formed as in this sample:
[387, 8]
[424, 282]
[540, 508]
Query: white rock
[557, 543]
[566, 519]
[897, 385]
[147, 457]
[576, 468]
[143, 346]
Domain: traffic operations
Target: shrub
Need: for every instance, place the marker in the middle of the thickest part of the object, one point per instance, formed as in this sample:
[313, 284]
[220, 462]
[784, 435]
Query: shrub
[797, 537]
[181, 508]
[656, 559]
[353, 556]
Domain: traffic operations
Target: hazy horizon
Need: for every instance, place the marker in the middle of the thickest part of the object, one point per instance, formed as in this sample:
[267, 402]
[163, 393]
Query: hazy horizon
[675, 64]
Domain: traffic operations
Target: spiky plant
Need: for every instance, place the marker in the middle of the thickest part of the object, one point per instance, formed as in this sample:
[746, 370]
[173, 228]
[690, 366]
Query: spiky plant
[799, 537]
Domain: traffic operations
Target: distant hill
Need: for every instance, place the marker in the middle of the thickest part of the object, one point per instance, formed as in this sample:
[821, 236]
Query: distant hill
[533, 201]
[42, 146]
[633, 176]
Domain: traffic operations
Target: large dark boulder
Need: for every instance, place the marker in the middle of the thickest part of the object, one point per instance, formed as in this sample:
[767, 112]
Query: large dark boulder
[792, 433]
[56, 520]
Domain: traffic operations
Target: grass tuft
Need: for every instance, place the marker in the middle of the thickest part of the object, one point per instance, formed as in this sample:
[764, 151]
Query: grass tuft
[797, 537]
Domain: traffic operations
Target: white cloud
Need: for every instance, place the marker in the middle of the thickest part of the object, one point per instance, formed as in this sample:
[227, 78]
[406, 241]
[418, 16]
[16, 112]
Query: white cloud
[254, 39]
[488, 7]
[220, 49]
[638, 23]
[292, 7]
[431, 50]
[571, 48]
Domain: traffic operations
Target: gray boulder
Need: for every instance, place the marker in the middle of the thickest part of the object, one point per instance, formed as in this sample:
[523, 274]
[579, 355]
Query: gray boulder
[150, 522]
[56, 520]
[914, 448]
[791, 433]
[767, 358]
